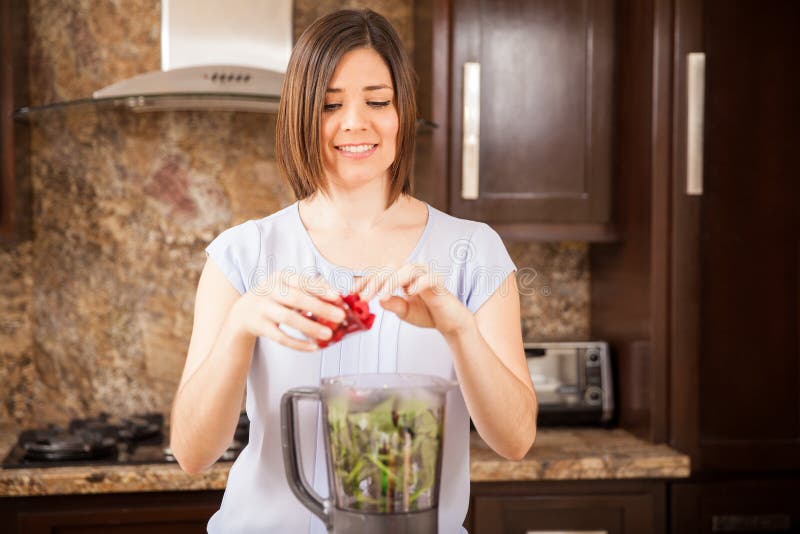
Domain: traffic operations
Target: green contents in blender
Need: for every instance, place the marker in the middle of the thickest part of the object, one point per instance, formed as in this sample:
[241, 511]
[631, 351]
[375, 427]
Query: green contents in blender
[385, 455]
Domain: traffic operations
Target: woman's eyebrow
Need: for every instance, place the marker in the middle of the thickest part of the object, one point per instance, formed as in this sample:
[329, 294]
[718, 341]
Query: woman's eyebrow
[367, 88]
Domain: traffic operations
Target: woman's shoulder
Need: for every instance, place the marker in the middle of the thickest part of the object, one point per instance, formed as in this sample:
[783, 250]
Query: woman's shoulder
[238, 249]
[279, 220]
[450, 225]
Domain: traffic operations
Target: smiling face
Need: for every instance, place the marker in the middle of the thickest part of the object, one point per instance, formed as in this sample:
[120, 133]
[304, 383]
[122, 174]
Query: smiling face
[359, 121]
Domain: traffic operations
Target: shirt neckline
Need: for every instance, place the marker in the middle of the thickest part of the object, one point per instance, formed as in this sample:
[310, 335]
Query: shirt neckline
[358, 272]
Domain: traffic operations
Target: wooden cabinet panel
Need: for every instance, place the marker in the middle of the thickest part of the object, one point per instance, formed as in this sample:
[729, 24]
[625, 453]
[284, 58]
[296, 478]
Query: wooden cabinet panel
[545, 109]
[735, 506]
[546, 113]
[15, 186]
[154, 513]
[529, 515]
[736, 296]
[621, 507]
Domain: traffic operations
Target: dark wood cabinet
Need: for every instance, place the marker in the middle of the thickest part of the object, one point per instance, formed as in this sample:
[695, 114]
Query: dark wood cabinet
[701, 299]
[154, 513]
[736, 298]
[539, 166]
[15, 185]
[743, 506]
[618, 507]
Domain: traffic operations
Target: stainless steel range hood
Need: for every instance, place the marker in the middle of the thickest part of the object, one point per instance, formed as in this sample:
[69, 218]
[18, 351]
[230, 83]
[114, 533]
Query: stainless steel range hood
[214, 55]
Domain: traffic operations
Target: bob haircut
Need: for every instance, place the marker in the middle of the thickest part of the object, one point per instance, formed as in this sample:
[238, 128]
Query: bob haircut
[319, 49]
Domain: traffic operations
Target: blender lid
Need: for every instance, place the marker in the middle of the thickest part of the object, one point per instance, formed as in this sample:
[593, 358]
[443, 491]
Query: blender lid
[389, 381]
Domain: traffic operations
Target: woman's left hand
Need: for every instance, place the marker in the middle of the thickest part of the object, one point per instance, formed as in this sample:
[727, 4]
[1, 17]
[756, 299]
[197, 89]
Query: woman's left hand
[426, 303]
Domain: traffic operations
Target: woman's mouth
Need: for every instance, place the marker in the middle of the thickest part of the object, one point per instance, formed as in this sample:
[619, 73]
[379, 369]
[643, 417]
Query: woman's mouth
[356, 151]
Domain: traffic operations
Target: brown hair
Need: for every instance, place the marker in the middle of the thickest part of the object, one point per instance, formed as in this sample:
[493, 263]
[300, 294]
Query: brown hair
[298, 147]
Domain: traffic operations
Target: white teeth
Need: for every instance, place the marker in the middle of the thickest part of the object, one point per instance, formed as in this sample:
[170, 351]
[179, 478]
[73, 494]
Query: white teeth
[356, 148]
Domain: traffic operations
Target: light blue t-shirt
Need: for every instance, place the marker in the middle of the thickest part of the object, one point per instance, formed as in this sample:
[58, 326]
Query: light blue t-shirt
[474, 263]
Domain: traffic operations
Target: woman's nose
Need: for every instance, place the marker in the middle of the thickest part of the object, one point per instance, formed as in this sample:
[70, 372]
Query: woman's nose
[354, 118]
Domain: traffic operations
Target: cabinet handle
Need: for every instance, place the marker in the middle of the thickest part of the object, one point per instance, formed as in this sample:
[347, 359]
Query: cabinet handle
[695, 104]
[566, 532]
[470, 145]
[751, 523]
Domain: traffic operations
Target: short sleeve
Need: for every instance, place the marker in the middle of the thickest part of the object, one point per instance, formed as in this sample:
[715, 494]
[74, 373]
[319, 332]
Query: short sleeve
[235, 251]
[487, 268]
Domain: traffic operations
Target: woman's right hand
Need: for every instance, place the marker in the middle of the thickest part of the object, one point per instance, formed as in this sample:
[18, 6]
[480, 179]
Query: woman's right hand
[283, 298]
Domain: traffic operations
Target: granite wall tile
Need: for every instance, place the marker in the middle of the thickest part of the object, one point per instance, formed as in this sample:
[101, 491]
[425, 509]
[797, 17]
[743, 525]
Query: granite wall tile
[553, 281]
[96, 309]
[398, 13]
[17, 364]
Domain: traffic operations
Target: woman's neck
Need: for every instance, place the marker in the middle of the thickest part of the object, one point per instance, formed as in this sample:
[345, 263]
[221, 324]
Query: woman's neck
[347, 211]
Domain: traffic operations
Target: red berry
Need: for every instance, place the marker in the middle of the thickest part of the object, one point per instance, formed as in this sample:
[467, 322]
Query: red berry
[357, 317]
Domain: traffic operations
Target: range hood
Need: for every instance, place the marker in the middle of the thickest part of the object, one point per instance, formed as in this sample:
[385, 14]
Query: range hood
[229, 55]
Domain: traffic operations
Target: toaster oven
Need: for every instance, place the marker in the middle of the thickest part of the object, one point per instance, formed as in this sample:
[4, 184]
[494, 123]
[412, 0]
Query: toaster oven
[573, 382]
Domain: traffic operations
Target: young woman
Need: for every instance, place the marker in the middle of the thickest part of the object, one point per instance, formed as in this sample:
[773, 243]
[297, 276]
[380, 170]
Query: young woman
[443, 289]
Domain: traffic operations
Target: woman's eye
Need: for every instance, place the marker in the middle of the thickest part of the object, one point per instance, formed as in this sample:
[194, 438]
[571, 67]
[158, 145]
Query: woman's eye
[379, 104]
[331, 107]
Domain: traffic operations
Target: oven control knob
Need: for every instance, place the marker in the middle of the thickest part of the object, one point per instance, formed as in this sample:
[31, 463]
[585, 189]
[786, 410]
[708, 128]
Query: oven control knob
[592, 357]
[593, 396]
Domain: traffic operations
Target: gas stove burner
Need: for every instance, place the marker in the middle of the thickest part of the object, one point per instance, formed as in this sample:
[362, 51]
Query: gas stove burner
[142, 427]
[136, 428]
[54, 444]
[104, 440]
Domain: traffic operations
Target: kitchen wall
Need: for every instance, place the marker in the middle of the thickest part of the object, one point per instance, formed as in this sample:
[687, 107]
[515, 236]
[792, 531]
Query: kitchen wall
[96, 309]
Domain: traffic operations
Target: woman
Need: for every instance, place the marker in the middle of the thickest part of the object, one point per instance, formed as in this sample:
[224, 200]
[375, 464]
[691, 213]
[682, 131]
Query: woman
[443, 289]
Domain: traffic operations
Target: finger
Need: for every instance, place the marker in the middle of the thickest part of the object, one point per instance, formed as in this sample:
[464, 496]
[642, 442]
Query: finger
[387, 283]
[279, 336]
[314, 285]
[280, 314]
[361, 284]
[318, 286]
[410, 310]
[299, 300]
[369, 286]
[427, 282]
[397, 305]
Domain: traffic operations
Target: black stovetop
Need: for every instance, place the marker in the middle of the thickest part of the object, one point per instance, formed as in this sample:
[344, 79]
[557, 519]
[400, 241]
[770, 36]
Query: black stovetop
[104, 440]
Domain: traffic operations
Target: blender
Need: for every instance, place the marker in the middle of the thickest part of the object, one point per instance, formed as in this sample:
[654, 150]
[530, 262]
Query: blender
[383, 436]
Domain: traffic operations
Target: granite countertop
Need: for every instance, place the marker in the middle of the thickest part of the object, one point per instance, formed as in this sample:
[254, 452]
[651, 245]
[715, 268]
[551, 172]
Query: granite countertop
[579, 454]
[568, 454]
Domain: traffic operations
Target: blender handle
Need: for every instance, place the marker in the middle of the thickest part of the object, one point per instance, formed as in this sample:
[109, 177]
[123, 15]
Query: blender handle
[290, 436]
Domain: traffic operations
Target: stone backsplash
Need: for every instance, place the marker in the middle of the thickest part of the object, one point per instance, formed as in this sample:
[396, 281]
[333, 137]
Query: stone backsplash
[96, 309]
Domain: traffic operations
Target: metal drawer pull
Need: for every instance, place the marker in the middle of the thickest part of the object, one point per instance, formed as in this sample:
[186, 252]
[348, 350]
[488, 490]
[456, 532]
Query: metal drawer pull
[566, 532]
[470, 145]
[751, 523]
[695, 98]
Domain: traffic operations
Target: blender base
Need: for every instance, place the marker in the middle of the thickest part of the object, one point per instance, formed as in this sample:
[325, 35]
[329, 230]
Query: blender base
[407, 523]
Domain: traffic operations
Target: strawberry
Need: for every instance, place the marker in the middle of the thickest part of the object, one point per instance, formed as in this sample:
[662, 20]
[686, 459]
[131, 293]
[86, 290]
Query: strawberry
[357, 318]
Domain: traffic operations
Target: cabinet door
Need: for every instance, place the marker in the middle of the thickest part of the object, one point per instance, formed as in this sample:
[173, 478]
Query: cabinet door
[154, 513]
[580, 507]
[736, 257]
[545, 135]
[741, 506]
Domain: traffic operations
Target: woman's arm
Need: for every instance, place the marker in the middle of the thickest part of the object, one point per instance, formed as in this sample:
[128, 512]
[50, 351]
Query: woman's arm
[490, 363]
[226, 325]
[489, 357]
[209, 398]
